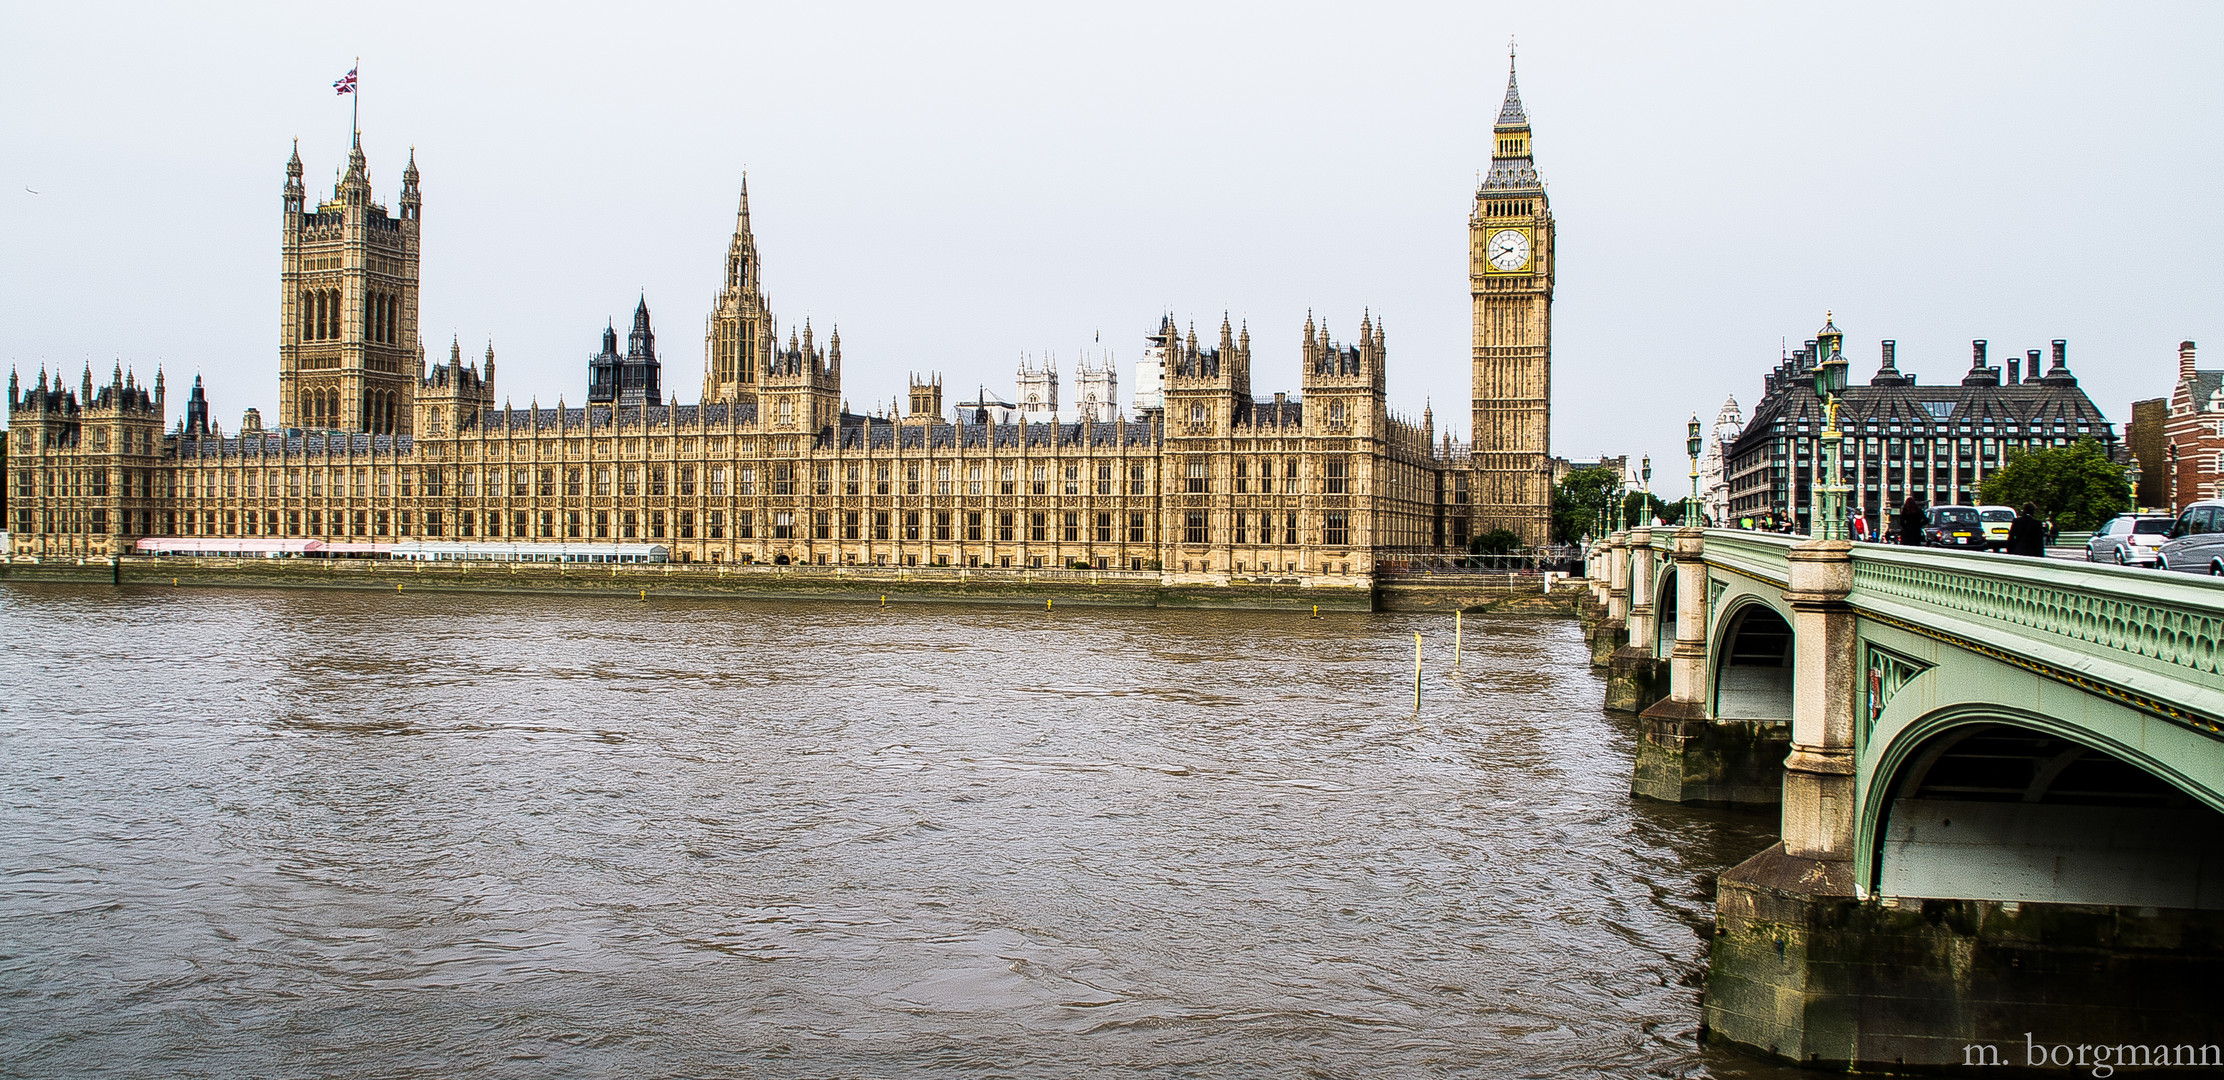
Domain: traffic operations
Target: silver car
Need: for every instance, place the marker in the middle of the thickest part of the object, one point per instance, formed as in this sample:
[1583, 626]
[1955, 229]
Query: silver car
[2128, 539]
[2195, 542]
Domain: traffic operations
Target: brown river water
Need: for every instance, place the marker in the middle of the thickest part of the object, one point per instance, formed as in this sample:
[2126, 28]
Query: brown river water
[279, 834]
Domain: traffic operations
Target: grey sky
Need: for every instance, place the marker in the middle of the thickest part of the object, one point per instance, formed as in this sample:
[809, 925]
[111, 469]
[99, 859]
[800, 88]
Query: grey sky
[954, 187]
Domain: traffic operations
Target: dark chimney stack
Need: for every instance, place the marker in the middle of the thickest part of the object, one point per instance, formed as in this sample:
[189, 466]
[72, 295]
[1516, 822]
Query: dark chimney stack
[1977, 353]
[2015, 368]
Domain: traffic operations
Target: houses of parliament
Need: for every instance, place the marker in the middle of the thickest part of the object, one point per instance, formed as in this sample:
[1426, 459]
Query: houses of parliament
[1206, 482]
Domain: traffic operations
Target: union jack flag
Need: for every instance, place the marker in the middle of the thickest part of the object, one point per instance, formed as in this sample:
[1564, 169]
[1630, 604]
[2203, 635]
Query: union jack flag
[346, 83]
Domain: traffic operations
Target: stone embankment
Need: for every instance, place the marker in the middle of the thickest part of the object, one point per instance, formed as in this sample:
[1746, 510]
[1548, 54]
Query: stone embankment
[850, 584]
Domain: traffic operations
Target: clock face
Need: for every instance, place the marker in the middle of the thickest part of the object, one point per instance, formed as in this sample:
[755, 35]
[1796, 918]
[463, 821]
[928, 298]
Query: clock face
[1509, 249]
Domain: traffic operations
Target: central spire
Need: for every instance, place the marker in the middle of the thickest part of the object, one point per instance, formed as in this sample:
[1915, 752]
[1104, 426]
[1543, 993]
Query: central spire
[1510, 115]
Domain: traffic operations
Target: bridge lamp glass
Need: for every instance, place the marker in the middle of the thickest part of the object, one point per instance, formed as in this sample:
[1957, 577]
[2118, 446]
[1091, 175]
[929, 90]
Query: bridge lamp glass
[1692, 443]
[1830, 376]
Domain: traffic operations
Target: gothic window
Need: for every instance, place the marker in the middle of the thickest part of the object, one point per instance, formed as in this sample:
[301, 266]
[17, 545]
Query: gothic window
[745, 525]
[973, 482]
[973, 525]
[1193, 527]
[1197, 481]
[1104, 528]
[1073, 479]
[942, 524]
[850, 477]
[1241, 536]
[1135, 480]
[656, 480]
[1336, 481]
[629, 525]
[850, 527]
[911, 481]
[687, 524]
[1004, 525]
[520, 482]
[783, 478]
[1243, 486]
[1006, 483]
[1104, 478]
[548, 482]
[1333, 530]
[880, 483]
[942, 482]
[716, 523]
[1289, 530]
[824, 483]
[911, 525]
[656, 524]
[717, 480]
[1138, 528]
[746, 480]
[880, 524]
[1072, 531]
[687, 480]
[1041, 482]
[1038, 529]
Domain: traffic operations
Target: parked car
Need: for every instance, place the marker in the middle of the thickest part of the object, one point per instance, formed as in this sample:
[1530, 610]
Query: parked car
[2128, 539]
[1997, 519]
[2195, 542]
[1955, 526]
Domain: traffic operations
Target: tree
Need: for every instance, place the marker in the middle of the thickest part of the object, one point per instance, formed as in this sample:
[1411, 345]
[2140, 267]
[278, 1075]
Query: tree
[2076, 486]
[1488, 549]
[1580, 500]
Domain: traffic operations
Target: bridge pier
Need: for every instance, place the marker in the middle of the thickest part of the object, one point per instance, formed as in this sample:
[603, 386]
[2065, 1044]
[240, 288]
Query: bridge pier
[1635, 679]
[1608, 633]
[1683, 754]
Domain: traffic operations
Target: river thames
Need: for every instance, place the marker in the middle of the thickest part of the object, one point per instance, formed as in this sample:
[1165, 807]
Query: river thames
[273, 833]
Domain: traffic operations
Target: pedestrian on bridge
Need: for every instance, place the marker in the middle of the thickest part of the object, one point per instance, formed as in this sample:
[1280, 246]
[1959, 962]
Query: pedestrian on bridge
[1913, 517]
[2027, 534]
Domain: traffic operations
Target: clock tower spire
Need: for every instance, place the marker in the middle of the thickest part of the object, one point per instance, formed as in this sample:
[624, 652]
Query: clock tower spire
[1510, 272]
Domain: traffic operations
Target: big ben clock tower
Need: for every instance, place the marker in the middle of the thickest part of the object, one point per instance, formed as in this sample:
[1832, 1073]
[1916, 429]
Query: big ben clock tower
[1510, 269]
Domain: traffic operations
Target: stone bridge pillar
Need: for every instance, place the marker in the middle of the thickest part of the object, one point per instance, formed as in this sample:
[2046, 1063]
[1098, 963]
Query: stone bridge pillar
[1818, 776]
[1634, 677]
[1609, 632]
[1770, 983]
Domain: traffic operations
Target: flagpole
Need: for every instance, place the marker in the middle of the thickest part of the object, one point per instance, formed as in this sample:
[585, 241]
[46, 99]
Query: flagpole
[355, 107]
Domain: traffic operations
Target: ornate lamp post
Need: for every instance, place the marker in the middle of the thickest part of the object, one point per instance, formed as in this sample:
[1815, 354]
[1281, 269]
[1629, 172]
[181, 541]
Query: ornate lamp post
[1691, 444]
[2131, 476]
[1645, 478]
[2173, 478]
[1830, 502]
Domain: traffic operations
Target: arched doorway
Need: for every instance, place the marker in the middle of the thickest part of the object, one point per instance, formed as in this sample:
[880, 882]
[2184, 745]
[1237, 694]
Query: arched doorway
[1998, 811]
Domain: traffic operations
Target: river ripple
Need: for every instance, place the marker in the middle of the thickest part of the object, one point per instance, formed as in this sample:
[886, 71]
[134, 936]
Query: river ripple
[267, 833]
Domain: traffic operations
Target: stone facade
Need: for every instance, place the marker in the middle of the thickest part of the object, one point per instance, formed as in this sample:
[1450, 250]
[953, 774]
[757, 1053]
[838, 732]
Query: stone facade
[1207, 483]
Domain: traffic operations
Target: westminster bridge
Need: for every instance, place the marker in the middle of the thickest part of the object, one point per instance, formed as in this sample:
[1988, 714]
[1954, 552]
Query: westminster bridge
[2001, 780]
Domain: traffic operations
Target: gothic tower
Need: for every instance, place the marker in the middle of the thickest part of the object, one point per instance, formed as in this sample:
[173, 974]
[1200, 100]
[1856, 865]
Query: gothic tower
[347, 323]
[739, 345]
[1510, 271]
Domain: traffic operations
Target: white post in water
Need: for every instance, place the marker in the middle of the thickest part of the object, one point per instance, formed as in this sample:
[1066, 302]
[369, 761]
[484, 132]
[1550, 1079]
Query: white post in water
[1416, 673]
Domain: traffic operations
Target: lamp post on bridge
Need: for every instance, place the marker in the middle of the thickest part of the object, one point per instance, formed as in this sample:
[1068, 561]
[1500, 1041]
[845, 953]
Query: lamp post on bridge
[1691, 444]
[1645, 490]
[1830, 489]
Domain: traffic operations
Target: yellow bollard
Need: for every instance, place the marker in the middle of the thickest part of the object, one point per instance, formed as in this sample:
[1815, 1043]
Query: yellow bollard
[1046, 605]
[644, 594]
[1456, 637]
[1416, 673]
[1316, 611]
[397, 586]
[884, 599]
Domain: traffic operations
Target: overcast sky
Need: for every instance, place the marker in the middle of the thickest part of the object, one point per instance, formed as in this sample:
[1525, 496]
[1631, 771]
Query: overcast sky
[955, 187]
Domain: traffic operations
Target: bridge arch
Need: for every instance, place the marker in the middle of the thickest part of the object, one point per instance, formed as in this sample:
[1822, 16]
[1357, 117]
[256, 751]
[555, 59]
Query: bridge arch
[1995, 803]
[1752, 674]
[1664, 615]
